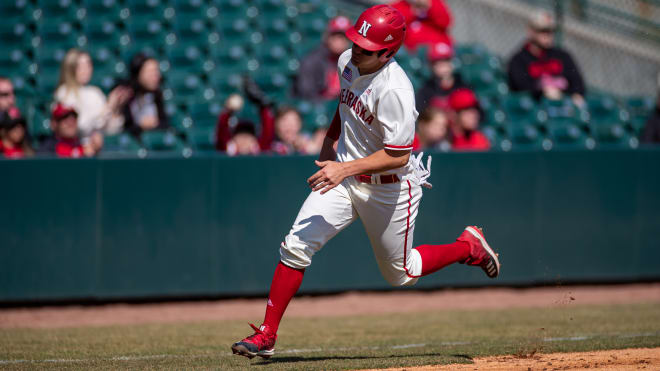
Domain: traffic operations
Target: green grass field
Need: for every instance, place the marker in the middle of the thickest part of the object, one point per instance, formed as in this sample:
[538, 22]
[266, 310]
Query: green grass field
[339, 342]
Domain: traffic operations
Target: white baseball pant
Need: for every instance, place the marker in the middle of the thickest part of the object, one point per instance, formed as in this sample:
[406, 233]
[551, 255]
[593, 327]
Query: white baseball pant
[388, 213]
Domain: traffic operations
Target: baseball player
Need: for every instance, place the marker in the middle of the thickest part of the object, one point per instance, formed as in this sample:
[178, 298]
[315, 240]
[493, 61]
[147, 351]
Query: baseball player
[371, 176]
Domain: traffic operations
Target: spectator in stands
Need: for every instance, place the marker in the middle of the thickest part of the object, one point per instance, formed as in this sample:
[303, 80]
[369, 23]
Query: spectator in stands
[7, 97]
[280, 132]
[428, 22]
[244, 140]
[544, 69]
[444, 80]
[651, 133]
[65, 141]
[315, 143]
[289, 138]
[433, 130]
[145, 109]
[465, 122]
[317, 77]
[14, 141]
[228, 124]
[95, 113]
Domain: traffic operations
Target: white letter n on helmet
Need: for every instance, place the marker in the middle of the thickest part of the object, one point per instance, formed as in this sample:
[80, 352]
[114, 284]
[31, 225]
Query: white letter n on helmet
[364, 28]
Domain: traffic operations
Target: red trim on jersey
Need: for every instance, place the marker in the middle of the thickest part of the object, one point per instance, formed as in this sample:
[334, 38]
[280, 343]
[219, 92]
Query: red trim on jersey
[405, 243]
[392, 146]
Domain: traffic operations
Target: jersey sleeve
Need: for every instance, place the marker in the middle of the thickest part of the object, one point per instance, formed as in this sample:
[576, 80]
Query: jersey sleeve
[343, 61]
[397, 114]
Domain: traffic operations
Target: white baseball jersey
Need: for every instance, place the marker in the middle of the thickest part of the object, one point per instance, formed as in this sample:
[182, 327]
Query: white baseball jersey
[377, 111]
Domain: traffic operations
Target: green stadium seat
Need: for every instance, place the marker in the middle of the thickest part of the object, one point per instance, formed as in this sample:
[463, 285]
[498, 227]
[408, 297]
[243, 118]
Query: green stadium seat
[161, 141]
[120, 143]
[154, 9]
[202, 139]
[278, 31]
[15, 8]
[191, 31]
[13, 62]
[184, 84]
[146, 30]
[637, 124]
[203, 114]
[101, 9]
[15, 33]
[275, 84]
[39, 124]
[61, 34]
[472, 54]
[232, 9]
[102, 33]
[59, 9]
[189, 59]
[603, 109]
[232, 59]
[640, 106]
[190, 8]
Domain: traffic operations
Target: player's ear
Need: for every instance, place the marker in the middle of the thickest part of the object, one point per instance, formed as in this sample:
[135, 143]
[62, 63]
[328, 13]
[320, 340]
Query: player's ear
[384, 55]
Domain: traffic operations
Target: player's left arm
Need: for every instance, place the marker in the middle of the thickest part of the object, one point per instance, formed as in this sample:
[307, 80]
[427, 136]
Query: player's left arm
[332, 172]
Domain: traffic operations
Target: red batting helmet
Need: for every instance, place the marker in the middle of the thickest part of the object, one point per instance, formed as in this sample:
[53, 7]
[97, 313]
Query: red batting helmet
[380, 27]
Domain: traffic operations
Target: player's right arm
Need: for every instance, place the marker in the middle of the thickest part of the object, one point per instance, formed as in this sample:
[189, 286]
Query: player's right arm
[328, 152]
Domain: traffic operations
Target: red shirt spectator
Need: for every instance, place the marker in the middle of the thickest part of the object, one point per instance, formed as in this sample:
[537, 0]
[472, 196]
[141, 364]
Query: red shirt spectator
[428, 22]
[66, 141]
[224, 132]
[14, 141]
[466, 116]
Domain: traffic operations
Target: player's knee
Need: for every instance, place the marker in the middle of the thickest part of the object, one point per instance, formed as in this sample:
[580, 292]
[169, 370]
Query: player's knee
[396, 275]
[295, 254]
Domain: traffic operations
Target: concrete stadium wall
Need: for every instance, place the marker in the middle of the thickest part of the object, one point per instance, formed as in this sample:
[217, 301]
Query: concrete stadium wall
[129, 228]
[608, 61]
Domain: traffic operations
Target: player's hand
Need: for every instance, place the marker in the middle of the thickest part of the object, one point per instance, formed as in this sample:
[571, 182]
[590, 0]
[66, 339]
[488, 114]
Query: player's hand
[330, 175]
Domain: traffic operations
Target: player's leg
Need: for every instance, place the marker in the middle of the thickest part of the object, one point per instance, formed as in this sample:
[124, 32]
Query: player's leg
[320, 218]
[390, 225]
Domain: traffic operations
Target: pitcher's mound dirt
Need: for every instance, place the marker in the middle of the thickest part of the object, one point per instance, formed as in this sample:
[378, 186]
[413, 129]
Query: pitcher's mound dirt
[612, 360]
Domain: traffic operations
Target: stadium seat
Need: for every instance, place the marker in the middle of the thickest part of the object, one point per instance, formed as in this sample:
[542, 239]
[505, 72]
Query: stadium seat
[640, 106]
[120, 143]
[14, 9]
[146, 30]
[58, 33]
[96, 10]
[60, 9]
[184, 84]
[232, 9]
[189, 8]
[232, 59]
[15, 34]
[101, 33]
[191, 31]
[39, 124]
[188, 59]
[274, 84]
[604, 109]
[203, 114]
[161, 141]
[13, 61]
[143, 8]
[202, 139]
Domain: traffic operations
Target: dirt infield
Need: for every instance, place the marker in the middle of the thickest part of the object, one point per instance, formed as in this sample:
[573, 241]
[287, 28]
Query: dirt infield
[348, 304]
[611, 360]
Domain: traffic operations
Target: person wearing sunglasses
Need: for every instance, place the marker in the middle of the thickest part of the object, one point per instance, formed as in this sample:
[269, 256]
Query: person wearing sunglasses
[543, 69]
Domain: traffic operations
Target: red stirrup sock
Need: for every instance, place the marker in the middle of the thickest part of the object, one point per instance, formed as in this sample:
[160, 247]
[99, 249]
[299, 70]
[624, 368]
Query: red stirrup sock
[286, 282]
[436, 257]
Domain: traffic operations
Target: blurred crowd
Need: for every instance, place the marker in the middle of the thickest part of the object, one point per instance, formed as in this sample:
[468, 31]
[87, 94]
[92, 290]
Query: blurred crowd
[450, 114]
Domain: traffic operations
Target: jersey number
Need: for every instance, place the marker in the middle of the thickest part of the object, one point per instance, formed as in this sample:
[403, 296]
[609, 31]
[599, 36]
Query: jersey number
[364, 28]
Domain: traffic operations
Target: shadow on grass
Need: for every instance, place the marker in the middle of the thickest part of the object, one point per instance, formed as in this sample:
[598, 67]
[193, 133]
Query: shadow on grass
[276, 360]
